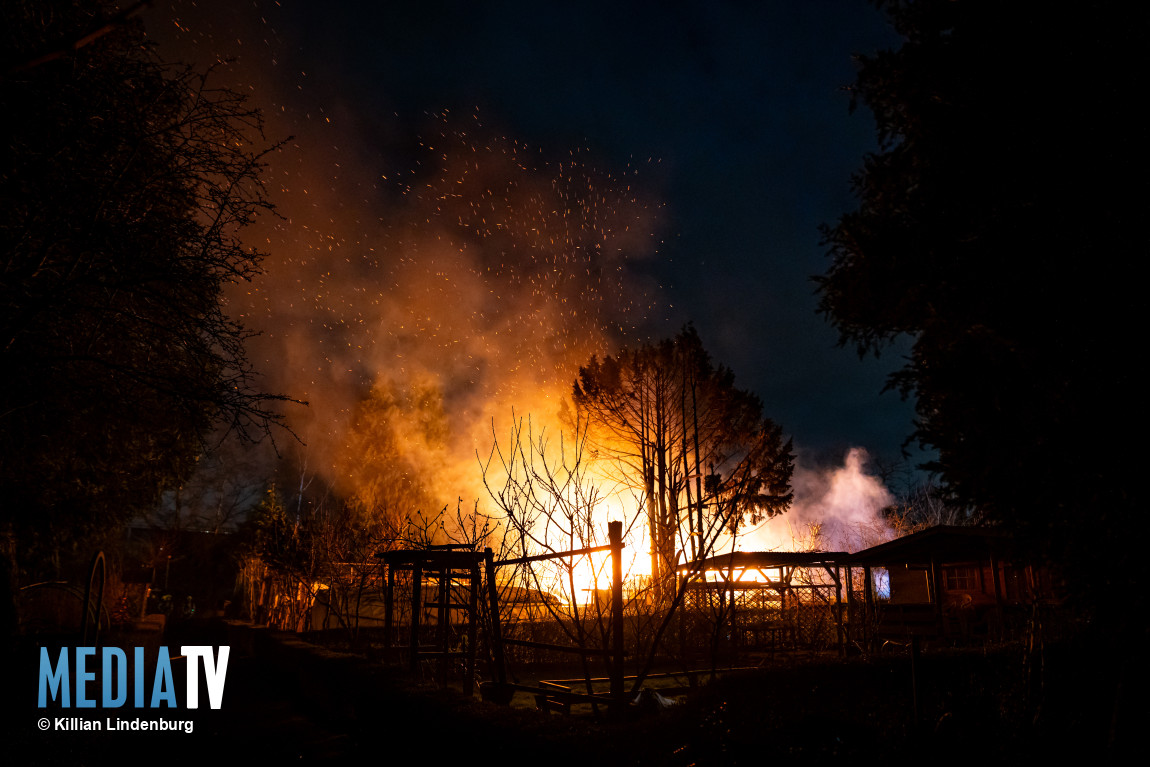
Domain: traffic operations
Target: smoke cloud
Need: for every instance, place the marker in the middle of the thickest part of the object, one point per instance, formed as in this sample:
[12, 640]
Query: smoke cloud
[835, 509]
[411, 311]
[411, 295]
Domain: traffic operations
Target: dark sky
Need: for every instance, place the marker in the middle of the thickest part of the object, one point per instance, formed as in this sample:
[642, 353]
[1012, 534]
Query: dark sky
[734, 113]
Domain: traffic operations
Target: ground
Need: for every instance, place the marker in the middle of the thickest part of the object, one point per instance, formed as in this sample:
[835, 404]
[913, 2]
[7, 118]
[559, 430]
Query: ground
[285, 700]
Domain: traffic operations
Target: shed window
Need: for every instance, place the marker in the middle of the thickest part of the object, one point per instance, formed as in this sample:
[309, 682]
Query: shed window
[961, 578]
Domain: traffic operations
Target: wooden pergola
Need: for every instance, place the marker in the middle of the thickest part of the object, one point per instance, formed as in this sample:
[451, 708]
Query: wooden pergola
[447, 570]
[455, 575]
[725, 576]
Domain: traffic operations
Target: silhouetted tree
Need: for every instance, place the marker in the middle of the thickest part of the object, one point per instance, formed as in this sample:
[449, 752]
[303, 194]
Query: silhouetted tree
[123, 185]
[993, 228]
[698, 448]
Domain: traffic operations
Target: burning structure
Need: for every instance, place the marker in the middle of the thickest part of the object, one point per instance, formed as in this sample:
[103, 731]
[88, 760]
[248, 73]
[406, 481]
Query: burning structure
[952, 584]
[754, 600]
[446, 611]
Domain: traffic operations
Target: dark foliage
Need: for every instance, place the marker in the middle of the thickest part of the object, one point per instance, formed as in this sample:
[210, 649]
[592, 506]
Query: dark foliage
[995, 226]
[123, 184]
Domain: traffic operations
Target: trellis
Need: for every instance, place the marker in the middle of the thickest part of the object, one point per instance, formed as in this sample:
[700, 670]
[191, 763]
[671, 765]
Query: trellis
[769, 598]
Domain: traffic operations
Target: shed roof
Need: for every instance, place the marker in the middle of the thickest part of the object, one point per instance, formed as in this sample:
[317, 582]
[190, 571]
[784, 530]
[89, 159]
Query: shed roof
[940, 542]
[739, 560]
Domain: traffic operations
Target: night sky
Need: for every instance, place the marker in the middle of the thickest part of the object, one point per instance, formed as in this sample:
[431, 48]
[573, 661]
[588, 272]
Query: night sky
[731, 119]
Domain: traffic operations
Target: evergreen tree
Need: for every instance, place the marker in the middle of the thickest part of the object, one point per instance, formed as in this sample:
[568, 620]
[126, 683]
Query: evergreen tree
[995, 227]
[698, 448]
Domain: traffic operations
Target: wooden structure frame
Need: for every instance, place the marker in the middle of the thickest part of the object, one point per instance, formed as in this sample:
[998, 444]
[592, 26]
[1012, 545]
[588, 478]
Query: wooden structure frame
[723, 576]
[444, 566]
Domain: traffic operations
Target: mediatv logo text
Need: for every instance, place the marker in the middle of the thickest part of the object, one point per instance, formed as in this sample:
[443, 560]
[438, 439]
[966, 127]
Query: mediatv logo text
[55, 679]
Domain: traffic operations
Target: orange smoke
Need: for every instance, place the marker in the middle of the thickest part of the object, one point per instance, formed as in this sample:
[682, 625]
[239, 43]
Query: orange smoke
[412, 313]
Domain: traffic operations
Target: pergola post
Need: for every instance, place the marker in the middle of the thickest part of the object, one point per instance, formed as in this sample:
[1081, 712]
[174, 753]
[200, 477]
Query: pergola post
[389, 609]
[500, 670]
[416, 612]
[615, 536]
[837, 575]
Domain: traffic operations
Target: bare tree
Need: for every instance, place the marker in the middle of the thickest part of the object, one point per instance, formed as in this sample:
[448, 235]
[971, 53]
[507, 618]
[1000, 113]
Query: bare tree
[925, 504]
[553, 501]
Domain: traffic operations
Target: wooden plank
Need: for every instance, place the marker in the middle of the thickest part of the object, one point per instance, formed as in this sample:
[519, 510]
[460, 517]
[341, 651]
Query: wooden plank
[389, 607]
[547, 704]
[472, 628]
[431, 560]
[615, 532]
[839, 611]
[499, 666]
[441, 624]
[936, 592]
[416, 610]
[556, 555]
[554, 685]
[556, 647]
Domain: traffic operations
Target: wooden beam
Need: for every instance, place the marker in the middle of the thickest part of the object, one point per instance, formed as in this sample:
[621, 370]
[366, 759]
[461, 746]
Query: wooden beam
[472, 630]
[839, 611]
[556, 555]
[936, 592]
[500, 666]
[389, 608]
[850, 625]
[615, 534]
[998, 600]
[416, 611]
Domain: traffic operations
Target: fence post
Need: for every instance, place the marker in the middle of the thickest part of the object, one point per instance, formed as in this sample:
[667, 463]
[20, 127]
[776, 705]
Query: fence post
[496, 629]
[839, 609]
[472, 635]
[443, 620]
[416, 611]
[850, 624]
[615, 534]
[389, 610]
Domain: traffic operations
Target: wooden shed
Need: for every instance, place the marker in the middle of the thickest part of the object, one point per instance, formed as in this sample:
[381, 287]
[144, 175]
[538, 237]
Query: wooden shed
[960, 583]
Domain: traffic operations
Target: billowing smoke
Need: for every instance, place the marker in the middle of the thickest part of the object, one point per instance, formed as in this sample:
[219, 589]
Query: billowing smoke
[410, 312]
[835, 509]
[414, 291]
[411, 297]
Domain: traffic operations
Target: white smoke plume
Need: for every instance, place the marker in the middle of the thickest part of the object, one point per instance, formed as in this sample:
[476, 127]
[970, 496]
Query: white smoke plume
[836, 509]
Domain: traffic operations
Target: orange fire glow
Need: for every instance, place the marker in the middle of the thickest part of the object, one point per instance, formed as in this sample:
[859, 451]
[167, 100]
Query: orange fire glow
[417, 315]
